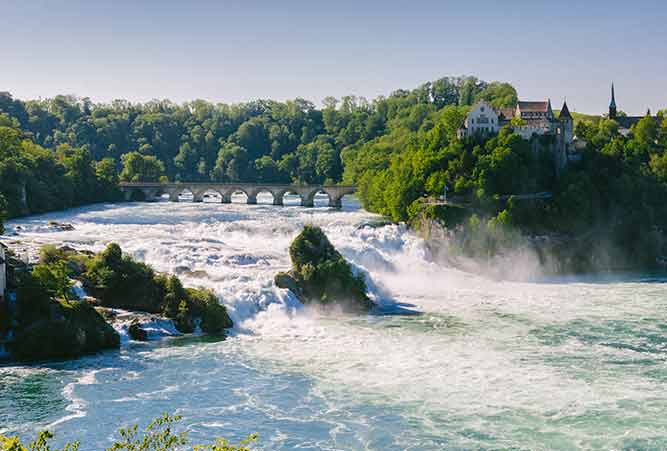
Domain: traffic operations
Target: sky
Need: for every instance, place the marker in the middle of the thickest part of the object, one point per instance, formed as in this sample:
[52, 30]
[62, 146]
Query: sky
[235, 51]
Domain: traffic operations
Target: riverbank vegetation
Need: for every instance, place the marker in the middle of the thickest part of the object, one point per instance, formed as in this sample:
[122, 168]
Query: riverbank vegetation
[49, 322]
[35, 179]
[159, 435]
[116, 280]
[610, 197]
[398, 150]
[66, 151]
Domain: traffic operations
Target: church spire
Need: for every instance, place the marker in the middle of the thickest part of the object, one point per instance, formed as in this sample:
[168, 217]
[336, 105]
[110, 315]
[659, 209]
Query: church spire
[612, 104]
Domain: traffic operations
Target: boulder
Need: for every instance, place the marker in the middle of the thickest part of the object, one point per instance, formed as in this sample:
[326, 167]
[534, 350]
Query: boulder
[136, 332]
[63, 227]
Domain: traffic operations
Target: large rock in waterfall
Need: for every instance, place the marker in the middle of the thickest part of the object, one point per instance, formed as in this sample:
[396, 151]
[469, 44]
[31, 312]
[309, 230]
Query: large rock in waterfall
[321, 275]
[69, 330]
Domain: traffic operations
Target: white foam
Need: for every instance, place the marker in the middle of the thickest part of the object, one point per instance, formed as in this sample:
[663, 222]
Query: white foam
[475, 350]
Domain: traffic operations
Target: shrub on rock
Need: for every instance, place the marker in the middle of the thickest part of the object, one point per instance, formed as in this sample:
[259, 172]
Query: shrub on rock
[320, 274]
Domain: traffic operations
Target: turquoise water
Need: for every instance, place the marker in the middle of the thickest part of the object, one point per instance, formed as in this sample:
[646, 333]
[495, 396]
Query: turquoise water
[578, 364]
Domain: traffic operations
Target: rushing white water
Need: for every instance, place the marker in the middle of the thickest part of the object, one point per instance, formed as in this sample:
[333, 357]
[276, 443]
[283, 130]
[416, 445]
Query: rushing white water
[484, 365]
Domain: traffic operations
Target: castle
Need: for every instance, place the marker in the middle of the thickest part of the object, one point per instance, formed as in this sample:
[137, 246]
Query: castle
[528, 118]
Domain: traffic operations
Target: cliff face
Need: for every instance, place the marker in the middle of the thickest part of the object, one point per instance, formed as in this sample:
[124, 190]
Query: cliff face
[321, 275]
[512, 255]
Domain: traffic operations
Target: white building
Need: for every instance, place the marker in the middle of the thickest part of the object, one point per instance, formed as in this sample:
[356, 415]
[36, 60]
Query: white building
[481, 120]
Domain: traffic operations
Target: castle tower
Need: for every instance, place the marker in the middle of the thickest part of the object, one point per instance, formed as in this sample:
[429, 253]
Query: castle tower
[612, 104]
[565, 138]
[567, 122]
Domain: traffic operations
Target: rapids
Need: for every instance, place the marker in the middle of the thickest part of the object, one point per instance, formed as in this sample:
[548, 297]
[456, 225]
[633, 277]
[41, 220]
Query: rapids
[456, 360]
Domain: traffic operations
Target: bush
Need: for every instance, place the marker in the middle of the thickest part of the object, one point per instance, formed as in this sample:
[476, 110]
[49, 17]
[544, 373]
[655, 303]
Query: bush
[159, 435]
[54, 278]
[120, 282]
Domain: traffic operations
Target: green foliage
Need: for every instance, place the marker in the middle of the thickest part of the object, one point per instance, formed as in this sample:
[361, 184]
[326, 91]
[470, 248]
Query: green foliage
[41, 443]
[34, 179]
[264, 140]
[321, 274]
[121, 282]
[499, 95]
[159, 435]
[141, 168]
[614, 189]
[54, 278]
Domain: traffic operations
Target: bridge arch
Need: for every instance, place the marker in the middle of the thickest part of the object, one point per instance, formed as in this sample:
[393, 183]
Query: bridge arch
[181, 194]
[256, 192]
[312, 200]
[232, 193]
[286, 196]
[212, 195]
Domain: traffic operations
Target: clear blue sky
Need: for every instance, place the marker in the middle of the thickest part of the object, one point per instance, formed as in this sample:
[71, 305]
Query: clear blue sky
[234, 51]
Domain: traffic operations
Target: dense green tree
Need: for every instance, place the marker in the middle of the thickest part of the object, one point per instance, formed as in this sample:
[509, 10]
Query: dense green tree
[232, 164]
[267, 170]
[141, 168]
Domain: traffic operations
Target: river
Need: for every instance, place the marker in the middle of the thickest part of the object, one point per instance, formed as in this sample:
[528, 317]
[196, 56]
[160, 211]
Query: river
[485, 364]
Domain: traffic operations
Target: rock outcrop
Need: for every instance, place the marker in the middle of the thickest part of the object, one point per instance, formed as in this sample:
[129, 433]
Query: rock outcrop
[321, 275]
[73, 328]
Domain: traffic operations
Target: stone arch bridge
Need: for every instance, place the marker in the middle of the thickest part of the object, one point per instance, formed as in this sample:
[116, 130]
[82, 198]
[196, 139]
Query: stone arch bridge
[150, 191]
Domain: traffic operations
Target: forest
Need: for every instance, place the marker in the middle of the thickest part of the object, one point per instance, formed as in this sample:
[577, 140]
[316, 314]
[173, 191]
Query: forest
[67, 151]
[399, 150]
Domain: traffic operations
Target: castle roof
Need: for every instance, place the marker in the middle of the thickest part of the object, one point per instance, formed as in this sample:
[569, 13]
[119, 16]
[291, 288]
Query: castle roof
[565, 112]
[533, 107]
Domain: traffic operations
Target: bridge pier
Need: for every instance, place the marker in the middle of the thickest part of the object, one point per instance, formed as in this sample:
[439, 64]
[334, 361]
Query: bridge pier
[336, 202]
[150, 194]
[252, 199]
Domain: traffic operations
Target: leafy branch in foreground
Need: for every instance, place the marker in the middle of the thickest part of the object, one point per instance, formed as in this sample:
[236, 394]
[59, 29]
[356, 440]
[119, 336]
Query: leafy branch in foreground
[159, 435]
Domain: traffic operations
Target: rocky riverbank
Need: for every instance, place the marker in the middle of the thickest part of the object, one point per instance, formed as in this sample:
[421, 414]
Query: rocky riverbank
[48, 313]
